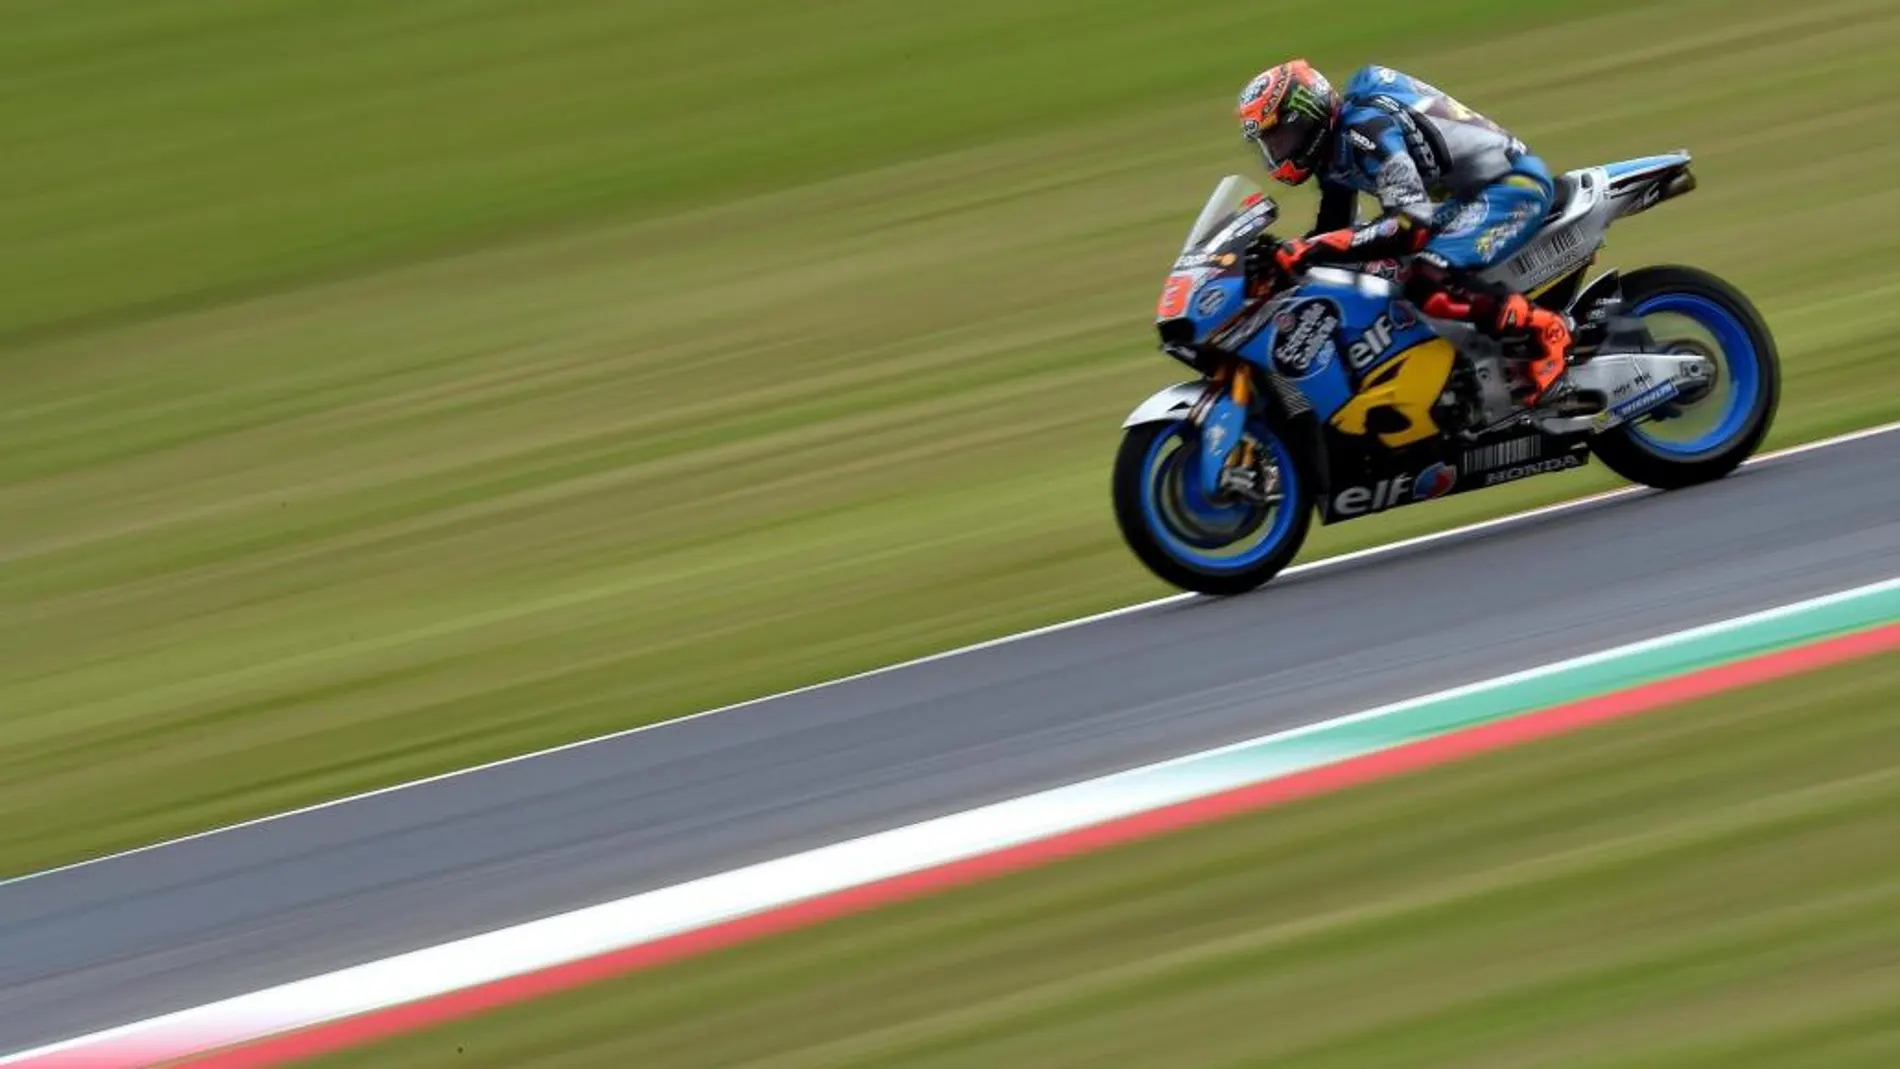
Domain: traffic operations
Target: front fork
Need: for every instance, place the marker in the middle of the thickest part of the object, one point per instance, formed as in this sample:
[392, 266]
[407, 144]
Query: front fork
[1220, 417]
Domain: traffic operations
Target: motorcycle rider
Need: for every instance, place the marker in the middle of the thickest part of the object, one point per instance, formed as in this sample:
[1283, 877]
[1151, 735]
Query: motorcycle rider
[1398, 138]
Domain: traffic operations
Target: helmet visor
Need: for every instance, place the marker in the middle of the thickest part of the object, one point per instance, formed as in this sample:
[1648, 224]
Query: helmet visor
[1284, 141]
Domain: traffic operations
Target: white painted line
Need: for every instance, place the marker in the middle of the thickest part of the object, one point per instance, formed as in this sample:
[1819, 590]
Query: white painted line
[590, 932]
[1065, 625]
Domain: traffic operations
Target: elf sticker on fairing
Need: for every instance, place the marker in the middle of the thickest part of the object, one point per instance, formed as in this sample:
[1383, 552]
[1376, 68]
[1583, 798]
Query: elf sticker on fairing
[1377, 340]
[1434, 482]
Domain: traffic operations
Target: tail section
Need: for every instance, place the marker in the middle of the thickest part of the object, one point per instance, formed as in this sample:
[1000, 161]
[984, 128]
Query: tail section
[1640, 184]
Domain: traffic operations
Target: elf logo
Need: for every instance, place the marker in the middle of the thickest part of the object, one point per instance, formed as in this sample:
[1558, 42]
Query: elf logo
[1372, 344]
[1435, 481]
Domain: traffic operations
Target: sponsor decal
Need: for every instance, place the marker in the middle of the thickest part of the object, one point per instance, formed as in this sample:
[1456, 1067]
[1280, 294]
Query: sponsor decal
[1640, 380]
[1503, 454]
[1192, 260]
[1551, 255]
[1303, 333]
[1386, 268]
[1307, 102]
[1400, 183]
[1645, 196]
[1366, 349]
[1211, 299]
[1386, 75]
[1361, 141]
[1416, 143]
[1255, 212]
[1255, 217]
[1465, 220]
[1255, 89]
[1539, 467]
[1512, 225]
[1402, 316]
[1434, 482]
[1528, 210]
[1361, 501]
[1644, 401]
[1383, 229]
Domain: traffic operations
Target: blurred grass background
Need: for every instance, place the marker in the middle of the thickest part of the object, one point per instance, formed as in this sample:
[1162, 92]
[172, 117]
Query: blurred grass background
[1705, 887]
[394, 386]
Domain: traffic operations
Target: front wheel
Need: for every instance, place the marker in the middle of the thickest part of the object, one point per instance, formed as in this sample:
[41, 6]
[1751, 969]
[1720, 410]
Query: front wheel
[1688, 310]
[1221, 546]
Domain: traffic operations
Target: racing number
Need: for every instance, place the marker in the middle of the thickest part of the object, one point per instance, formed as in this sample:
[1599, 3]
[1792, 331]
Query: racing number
[1440, 104]
[1174, 297]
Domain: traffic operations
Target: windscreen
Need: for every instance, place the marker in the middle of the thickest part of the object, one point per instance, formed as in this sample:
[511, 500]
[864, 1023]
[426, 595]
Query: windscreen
[1233, 196]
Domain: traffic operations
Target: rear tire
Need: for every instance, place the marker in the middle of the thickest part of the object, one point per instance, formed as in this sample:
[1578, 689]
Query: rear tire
[1748, 368]
[1178, 537]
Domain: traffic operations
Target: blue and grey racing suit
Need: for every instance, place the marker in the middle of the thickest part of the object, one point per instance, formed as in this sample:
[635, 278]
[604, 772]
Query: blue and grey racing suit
[1455, 187]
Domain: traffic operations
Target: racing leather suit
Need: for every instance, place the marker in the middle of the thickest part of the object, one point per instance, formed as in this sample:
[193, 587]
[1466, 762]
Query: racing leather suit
[1408, 144]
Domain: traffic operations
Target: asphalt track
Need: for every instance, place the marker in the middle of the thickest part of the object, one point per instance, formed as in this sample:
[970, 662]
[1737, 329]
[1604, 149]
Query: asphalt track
[132, 936]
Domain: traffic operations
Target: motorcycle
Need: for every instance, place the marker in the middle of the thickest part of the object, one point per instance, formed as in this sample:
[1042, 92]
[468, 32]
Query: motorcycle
[1335, 396]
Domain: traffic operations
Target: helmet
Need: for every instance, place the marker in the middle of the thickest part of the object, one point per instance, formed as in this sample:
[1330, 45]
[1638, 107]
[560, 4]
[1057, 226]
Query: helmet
[1287, 112]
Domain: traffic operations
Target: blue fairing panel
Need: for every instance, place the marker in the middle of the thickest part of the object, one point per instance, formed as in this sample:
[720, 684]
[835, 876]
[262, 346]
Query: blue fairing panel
[1214, 301]
[1304, 335]
[1327, 337]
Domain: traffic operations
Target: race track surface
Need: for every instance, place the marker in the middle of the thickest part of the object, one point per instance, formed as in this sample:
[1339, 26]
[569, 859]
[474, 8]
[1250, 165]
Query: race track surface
[133, 936]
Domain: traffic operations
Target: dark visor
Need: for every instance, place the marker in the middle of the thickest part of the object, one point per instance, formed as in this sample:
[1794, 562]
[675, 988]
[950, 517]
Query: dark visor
[1282, 142]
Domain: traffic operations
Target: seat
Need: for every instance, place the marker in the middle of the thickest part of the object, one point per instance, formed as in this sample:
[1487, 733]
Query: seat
[1563, 188]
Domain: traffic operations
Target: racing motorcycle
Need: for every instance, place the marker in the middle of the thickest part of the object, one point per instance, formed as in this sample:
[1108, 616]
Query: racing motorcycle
[1334, 396]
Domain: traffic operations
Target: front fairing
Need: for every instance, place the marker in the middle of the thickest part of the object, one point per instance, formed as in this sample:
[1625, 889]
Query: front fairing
[1206, 287]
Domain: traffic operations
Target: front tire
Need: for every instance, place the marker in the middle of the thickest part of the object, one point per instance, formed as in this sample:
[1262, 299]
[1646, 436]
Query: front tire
[1210, 547]
[1726, 425]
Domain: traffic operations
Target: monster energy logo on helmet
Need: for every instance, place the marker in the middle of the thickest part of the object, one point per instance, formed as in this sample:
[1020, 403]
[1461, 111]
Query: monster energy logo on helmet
[1304, 102]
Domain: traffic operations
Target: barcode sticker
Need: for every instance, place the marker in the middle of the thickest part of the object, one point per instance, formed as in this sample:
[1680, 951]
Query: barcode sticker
[1549, 253]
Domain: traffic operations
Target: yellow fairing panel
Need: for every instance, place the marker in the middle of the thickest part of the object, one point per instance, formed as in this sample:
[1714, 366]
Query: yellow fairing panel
[1410, 382]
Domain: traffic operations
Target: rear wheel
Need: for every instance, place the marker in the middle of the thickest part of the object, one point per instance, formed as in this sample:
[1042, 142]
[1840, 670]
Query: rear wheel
[1687, 310]
[1223, 545]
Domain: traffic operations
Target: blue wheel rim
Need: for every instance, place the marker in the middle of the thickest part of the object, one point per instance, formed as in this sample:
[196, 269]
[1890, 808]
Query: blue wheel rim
[1738, 379]
[1164, 491]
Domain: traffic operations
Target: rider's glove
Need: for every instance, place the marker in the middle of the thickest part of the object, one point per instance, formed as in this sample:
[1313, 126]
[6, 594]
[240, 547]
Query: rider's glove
[1276, 260]
[1291, 256]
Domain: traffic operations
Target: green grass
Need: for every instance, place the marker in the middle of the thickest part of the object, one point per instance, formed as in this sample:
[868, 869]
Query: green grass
[394, 386]
[1708, 887]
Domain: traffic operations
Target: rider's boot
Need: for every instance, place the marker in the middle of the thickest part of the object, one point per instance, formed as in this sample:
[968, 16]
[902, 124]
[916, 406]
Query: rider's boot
[1551, 334]
[1514, 317]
